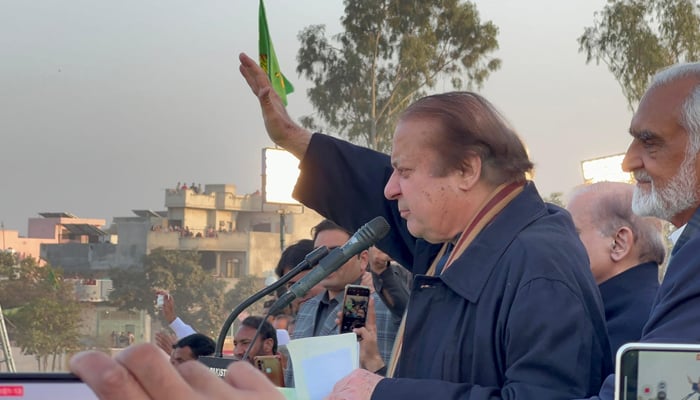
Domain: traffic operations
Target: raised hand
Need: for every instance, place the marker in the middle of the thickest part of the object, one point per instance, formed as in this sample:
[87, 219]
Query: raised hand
[279, 125]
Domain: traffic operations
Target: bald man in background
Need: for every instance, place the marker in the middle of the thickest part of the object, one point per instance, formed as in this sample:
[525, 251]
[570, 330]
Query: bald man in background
[625, 251]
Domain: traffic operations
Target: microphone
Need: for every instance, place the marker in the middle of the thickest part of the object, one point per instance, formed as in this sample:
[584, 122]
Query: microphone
[366, 236]
[309, 261]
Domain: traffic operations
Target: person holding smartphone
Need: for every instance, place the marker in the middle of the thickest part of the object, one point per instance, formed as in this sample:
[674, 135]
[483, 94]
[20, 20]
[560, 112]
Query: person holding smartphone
[263, 353]
[166, 303]
[178, 326]
[317, 316]
[370, 358]
[264, 345]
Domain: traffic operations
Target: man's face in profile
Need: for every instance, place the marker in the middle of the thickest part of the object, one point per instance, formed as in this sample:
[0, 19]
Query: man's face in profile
[666, 173]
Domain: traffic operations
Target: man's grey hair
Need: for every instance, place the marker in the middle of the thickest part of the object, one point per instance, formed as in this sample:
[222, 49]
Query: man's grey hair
[690, 116]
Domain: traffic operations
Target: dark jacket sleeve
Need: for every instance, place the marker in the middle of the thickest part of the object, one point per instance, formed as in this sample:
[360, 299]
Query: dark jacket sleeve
[362, 173]
[674, 315]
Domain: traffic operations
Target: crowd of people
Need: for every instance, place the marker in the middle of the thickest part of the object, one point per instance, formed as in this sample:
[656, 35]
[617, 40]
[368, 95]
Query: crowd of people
[122, 339]
[195, 188]
[496, 294]
[208, 231]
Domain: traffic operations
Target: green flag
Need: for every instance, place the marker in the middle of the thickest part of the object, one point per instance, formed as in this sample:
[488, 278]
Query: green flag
[268, 59]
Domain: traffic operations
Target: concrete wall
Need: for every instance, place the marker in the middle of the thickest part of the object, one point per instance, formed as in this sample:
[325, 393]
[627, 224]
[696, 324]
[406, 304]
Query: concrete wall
[79, 256]
[264, 253]
[133, 233]
[22, 246]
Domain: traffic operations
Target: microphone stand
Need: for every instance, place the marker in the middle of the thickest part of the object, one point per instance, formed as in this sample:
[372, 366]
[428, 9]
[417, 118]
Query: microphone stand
[310, 260]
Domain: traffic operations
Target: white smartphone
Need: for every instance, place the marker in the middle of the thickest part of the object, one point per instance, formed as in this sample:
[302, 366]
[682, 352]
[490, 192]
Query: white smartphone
[160, 300]
[657, 371]
[41, 386]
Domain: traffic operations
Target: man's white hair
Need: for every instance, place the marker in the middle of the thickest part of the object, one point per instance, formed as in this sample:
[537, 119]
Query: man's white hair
[690, 116]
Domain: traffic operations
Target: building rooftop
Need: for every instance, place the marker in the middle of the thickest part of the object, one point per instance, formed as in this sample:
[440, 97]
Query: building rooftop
[61, 214]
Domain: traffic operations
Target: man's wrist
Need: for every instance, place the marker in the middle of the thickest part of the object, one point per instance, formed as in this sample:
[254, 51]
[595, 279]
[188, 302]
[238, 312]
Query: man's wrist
[375, 365]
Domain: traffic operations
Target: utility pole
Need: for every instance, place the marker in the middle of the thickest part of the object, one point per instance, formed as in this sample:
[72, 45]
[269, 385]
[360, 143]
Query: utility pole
[5, 346]
[5, 350]
[283, 213]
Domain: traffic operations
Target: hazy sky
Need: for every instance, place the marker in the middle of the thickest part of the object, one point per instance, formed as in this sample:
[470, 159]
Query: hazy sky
[104, 104]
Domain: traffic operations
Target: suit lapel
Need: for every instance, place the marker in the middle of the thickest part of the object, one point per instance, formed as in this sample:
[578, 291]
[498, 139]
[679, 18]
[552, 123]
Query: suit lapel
[329, 326]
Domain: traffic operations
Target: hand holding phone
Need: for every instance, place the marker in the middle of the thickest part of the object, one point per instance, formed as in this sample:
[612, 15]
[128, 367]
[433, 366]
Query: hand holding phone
[160, 300]
[657, 371]
[355, 306]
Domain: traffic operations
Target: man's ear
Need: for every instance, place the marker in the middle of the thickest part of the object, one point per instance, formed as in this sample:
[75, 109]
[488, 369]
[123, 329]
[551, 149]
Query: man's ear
[364, 259]
[623, 243]
[470, 172]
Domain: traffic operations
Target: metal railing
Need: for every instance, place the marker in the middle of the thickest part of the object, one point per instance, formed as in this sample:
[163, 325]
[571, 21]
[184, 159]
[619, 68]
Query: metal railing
[5, 346]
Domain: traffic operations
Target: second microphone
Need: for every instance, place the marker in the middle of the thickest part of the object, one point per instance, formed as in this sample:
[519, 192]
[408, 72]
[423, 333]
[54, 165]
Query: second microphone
[365, 237]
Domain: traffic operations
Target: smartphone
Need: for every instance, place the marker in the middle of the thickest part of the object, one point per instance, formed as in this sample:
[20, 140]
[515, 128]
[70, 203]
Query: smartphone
[41, 386]
[656, 371]
[271, 366]
[159, 300]
[355, 304]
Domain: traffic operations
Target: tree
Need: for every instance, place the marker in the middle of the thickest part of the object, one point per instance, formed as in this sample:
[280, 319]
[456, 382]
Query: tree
[245, 287]
[199, 295]
[636, 38]
[391, 52]
[8, 260]
[22, 283]
[46, 319]
[49, 327]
